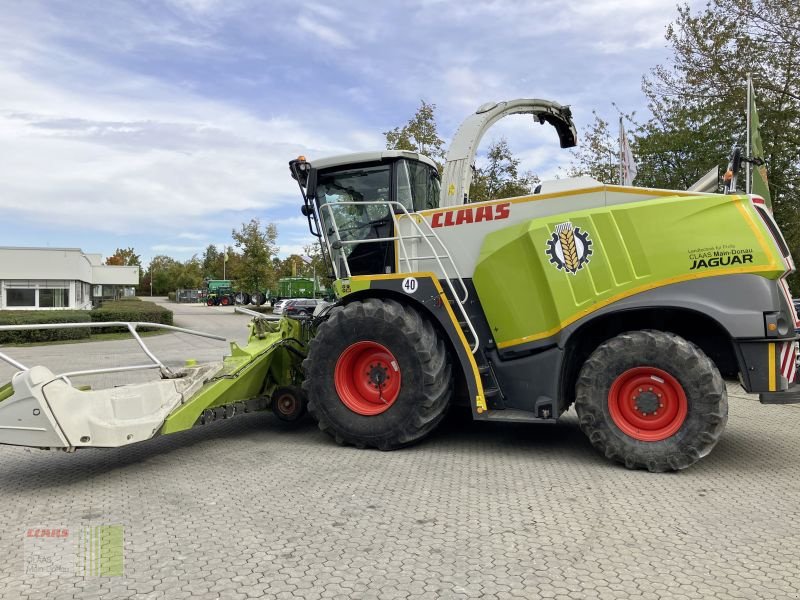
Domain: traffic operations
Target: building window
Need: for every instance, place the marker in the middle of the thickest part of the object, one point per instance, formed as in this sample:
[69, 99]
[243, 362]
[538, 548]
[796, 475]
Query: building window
[20, 297]
[54, 298]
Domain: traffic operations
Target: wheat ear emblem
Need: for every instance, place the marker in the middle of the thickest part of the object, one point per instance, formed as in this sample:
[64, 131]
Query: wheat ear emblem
[569, 248]
[566, 236]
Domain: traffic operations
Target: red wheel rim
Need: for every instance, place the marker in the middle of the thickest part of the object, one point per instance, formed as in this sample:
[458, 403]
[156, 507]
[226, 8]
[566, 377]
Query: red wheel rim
[647, 404]
[367, 378]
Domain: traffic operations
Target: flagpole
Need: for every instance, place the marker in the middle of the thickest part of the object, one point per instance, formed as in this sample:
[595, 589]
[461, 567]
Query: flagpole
[621, 150]
[224, 253]
[748, 152]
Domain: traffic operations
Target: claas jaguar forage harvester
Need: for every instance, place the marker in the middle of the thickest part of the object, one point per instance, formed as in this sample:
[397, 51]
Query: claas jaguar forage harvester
[631, 304]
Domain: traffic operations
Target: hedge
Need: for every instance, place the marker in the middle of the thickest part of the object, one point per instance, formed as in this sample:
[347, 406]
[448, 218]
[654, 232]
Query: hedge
[171, 296]
[125, 310]
[25, 317]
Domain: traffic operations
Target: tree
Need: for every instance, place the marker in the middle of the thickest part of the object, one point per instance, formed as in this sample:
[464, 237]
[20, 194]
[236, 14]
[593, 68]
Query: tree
[159, 274]
[500, 177]
[212, 262]
[598, 154]
[419, 135]
[124, 257]
[255, 270]
[317, 263]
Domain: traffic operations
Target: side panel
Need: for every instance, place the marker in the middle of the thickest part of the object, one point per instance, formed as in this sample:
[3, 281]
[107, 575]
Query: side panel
[536, 278]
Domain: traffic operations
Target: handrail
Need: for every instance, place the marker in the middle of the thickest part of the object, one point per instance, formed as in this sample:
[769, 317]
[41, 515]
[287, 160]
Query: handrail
[131, 325]
[256, 315]
[400, 239]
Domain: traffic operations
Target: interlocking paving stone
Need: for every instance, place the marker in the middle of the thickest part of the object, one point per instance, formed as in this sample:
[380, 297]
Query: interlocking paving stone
[246, 509]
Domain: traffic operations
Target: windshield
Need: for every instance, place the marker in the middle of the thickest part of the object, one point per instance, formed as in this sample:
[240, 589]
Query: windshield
[371, 184]
[417, 185]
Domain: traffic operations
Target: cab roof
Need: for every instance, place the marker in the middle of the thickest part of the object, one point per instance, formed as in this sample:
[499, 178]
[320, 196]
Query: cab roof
[368, 157]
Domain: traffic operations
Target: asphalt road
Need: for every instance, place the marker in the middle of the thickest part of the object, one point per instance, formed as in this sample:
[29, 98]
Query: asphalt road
[246, 509]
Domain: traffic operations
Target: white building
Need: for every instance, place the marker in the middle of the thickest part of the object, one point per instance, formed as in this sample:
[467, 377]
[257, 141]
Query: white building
[54, 278]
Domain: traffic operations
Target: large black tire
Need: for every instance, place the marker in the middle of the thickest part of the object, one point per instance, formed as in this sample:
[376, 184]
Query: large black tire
[422, 358]
[624, 360]
[242, 298]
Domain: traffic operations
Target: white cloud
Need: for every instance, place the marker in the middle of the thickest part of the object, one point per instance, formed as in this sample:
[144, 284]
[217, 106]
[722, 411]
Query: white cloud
[168, 119]
[321, 32]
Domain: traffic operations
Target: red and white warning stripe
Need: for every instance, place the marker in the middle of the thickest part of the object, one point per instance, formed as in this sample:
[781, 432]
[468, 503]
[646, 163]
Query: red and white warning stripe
[789, 360]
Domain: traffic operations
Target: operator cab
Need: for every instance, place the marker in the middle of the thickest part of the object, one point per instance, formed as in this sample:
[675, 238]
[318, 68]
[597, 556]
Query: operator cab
[351, 201]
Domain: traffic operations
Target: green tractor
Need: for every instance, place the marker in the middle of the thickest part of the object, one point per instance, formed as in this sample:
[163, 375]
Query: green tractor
[219, 292]
[630, 304]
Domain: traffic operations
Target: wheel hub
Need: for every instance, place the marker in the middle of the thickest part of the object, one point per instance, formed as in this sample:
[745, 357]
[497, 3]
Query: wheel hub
[378, 374]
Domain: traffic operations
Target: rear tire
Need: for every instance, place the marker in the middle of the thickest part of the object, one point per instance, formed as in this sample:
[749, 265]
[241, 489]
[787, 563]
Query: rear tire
[651, 399]
[377, 375]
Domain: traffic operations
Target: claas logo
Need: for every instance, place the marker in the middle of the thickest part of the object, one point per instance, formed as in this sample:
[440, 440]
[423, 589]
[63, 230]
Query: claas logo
[475, 214]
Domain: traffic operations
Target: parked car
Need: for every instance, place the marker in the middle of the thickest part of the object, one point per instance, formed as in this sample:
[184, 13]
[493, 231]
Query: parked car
[277, 308]
[300, 307]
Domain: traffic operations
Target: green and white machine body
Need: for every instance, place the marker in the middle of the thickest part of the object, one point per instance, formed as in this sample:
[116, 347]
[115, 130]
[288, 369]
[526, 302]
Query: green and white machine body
[521, 286]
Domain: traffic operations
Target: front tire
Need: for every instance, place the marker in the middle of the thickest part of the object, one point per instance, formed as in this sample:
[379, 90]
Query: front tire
[651, 399]
[377, 375]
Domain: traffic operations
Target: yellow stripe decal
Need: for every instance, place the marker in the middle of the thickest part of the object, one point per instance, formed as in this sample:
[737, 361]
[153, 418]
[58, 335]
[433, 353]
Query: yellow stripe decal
[644, 288]
[565, 193]
[748, 217]
[771, 365]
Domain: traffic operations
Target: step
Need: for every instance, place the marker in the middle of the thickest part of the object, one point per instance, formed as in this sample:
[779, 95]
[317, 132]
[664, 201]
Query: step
[513, 415]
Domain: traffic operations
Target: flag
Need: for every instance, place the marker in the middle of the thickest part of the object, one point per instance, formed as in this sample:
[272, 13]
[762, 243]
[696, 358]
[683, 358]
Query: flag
[224, 254]
[759, 185]
[627, 166]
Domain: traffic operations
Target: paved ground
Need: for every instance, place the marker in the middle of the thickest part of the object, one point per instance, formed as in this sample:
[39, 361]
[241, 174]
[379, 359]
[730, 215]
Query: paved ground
[245, 509]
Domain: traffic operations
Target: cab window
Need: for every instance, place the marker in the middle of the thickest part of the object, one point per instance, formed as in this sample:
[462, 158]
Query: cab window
[417, 185]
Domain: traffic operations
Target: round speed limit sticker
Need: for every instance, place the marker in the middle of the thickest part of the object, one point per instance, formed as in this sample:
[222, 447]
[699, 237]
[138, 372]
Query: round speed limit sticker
[409, 285]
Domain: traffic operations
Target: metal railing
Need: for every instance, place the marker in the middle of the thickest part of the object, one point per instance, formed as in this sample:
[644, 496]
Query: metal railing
[393, 208]
[131, 326]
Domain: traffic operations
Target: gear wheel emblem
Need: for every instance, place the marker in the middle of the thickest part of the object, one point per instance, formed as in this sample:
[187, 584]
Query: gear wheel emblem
[569, 248]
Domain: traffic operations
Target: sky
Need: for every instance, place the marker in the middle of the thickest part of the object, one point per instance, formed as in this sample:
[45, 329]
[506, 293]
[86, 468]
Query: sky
[163, 125]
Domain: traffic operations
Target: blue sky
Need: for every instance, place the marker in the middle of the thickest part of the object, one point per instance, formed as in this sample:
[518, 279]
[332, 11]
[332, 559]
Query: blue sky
[163, 125]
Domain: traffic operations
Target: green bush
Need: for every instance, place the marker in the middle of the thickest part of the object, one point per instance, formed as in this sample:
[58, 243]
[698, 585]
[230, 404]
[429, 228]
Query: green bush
[123, 310]
[29, 317]
[171, 296]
